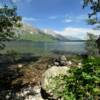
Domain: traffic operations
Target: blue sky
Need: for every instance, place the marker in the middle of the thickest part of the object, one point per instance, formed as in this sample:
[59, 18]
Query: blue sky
[53, 14]
[64, 16]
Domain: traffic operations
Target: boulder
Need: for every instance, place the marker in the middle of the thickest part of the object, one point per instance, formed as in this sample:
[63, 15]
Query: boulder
[30, 93]
[63, 60]
[26, 93]
[47, 81]
[56, 63]
[69, 63]
[60, 61]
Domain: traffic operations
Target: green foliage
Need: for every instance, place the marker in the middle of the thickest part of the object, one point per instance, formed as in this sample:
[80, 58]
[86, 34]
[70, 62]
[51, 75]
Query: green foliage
[91, 45]
[94, 5]
[92, 21]
[8, 22]
[37, 37]
[82, 83]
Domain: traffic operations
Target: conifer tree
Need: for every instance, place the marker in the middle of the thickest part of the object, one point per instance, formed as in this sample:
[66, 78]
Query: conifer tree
[9, 21]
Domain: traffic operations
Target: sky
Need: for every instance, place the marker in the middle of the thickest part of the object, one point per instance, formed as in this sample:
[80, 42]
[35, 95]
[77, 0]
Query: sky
[66, 17]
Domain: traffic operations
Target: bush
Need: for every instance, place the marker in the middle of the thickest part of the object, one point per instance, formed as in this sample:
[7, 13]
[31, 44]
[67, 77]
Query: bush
[82, 83]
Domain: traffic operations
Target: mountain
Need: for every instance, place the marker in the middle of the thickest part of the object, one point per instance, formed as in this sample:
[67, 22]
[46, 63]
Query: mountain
[28, 32]
[60, 37]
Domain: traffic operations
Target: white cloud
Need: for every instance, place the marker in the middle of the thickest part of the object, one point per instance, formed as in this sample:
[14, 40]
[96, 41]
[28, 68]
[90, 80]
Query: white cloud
[68, 18]
[77, 32]
[29, 19]
[15, 1]
[67, 21]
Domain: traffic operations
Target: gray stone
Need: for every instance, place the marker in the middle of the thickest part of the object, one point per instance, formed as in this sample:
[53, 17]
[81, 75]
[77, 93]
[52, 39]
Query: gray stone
[47, 79]
[63, 58]
[56, 63]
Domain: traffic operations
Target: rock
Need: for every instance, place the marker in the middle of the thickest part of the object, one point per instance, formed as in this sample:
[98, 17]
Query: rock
[36, 94]
[37, 89]
[79, 65]
[26, 93]
[7, 97]
[20, 65]
[47, 80]
[63, 63]
[63, 60]
[69, 63]
[60, 61]
[33, 98]
[56, 63]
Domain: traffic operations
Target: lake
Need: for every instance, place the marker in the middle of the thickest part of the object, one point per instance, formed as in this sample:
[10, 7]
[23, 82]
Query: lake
[45, 48]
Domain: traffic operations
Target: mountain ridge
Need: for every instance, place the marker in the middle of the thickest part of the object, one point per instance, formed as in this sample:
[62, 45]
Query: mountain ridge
[28, 32]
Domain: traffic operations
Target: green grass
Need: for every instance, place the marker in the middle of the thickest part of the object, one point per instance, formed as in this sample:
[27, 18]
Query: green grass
[97, 60]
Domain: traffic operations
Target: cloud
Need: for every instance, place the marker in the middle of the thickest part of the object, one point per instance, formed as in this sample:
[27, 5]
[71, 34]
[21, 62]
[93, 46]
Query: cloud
[78, 18]
[61, 19]
[67, 21]
[15, 1]
[77, 32]
[69, 18]
[28, 19]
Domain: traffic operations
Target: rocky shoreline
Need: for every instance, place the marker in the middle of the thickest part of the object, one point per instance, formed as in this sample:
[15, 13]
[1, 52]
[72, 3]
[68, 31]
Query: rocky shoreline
[35, 79]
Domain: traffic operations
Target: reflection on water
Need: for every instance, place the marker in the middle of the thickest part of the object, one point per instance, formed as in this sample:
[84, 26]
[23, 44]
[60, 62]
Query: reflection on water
[46, 47]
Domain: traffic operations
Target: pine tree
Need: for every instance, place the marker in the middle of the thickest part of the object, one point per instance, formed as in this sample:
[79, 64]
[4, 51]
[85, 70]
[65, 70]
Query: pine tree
[9, 21]
[94, 6]
[94, 17]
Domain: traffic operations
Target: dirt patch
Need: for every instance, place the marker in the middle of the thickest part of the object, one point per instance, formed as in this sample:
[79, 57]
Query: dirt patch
[29, 73]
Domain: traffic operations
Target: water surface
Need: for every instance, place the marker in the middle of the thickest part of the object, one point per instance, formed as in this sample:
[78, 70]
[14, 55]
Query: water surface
[43, 48]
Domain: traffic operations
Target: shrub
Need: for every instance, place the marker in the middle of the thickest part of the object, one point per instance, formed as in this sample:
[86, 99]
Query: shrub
[82, 83]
